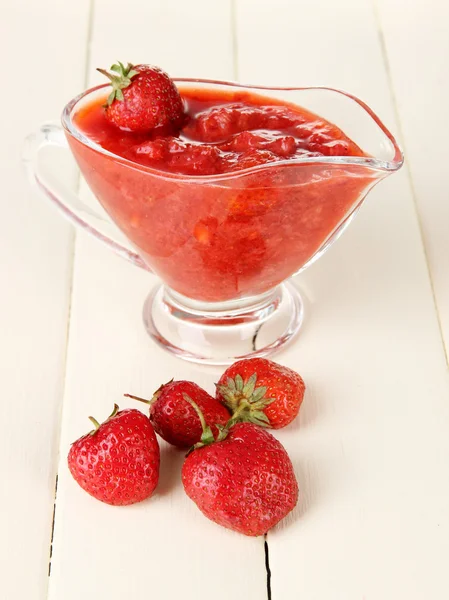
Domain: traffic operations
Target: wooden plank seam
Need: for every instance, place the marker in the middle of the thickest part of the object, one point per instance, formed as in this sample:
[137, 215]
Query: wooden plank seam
[90, 19]
[397, 114]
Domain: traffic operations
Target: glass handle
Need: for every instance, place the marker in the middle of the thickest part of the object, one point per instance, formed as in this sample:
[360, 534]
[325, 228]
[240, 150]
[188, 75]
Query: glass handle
[41, 174]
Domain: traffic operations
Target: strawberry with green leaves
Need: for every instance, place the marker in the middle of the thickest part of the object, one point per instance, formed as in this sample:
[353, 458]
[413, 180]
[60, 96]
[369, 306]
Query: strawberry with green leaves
[243, 480]
[118, 461]
[143, 98]
[261, 391]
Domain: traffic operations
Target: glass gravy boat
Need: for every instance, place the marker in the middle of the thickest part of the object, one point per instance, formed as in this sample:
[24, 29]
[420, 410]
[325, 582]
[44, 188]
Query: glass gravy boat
[223, 245]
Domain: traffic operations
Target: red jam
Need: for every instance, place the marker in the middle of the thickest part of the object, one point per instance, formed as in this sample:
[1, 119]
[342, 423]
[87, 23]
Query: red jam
[213, 238]
[221, 134]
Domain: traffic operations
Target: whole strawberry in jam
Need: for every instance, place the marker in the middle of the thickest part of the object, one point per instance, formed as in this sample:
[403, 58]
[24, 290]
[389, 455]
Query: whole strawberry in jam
[243, 481]
[262, 392]
[143, 97]
[118, 461]
[174, 418]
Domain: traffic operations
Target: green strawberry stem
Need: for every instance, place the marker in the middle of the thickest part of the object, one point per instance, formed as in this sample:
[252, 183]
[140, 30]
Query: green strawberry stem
[120, 79]
[156, 394]
[97, 425]
[207, 436]
[140, 399]
[241, 409]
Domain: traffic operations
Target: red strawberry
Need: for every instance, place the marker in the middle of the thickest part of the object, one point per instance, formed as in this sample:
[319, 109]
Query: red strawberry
[244, 481]
[143, 97]
[117, 462]
[262, 392]
[175, 420]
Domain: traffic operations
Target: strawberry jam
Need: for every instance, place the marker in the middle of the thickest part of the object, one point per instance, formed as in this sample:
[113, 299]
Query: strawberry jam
[203, 218]
[221, 135]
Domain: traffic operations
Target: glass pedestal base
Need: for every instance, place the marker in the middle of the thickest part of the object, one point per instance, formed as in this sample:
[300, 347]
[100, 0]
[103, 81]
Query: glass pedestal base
[221, 333]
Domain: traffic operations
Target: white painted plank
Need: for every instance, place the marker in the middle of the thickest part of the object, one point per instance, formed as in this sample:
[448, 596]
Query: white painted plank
[417, 49]
[371, 448]
[35, 266]
[164, 547]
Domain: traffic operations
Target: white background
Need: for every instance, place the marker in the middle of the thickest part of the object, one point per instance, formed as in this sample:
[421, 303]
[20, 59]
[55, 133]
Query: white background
[371, 448]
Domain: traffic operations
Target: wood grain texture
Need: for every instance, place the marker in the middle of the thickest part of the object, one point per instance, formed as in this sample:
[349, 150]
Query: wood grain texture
[35, 266]
[416, 45]
[371, 446]
[164, 547]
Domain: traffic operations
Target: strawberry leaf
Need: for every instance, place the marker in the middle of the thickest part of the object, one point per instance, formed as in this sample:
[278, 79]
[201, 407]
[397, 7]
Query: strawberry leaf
[231, 384]
[261, 404]
[120, 79]
[248, 388]
[258, 394]
[244, 400]
[97, 425]
[238, 383]
[259, 418]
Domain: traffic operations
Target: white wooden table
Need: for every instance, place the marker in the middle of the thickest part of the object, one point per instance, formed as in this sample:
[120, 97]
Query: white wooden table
[371, 448]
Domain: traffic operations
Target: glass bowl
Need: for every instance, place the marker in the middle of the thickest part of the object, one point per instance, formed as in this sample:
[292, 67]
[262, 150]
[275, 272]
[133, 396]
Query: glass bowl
[225, 245]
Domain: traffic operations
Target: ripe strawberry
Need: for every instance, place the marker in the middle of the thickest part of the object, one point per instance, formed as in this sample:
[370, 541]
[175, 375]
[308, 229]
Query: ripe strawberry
[175, 420]
[273, 403]
[243, 481]
[143, 97]
[117, 462]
